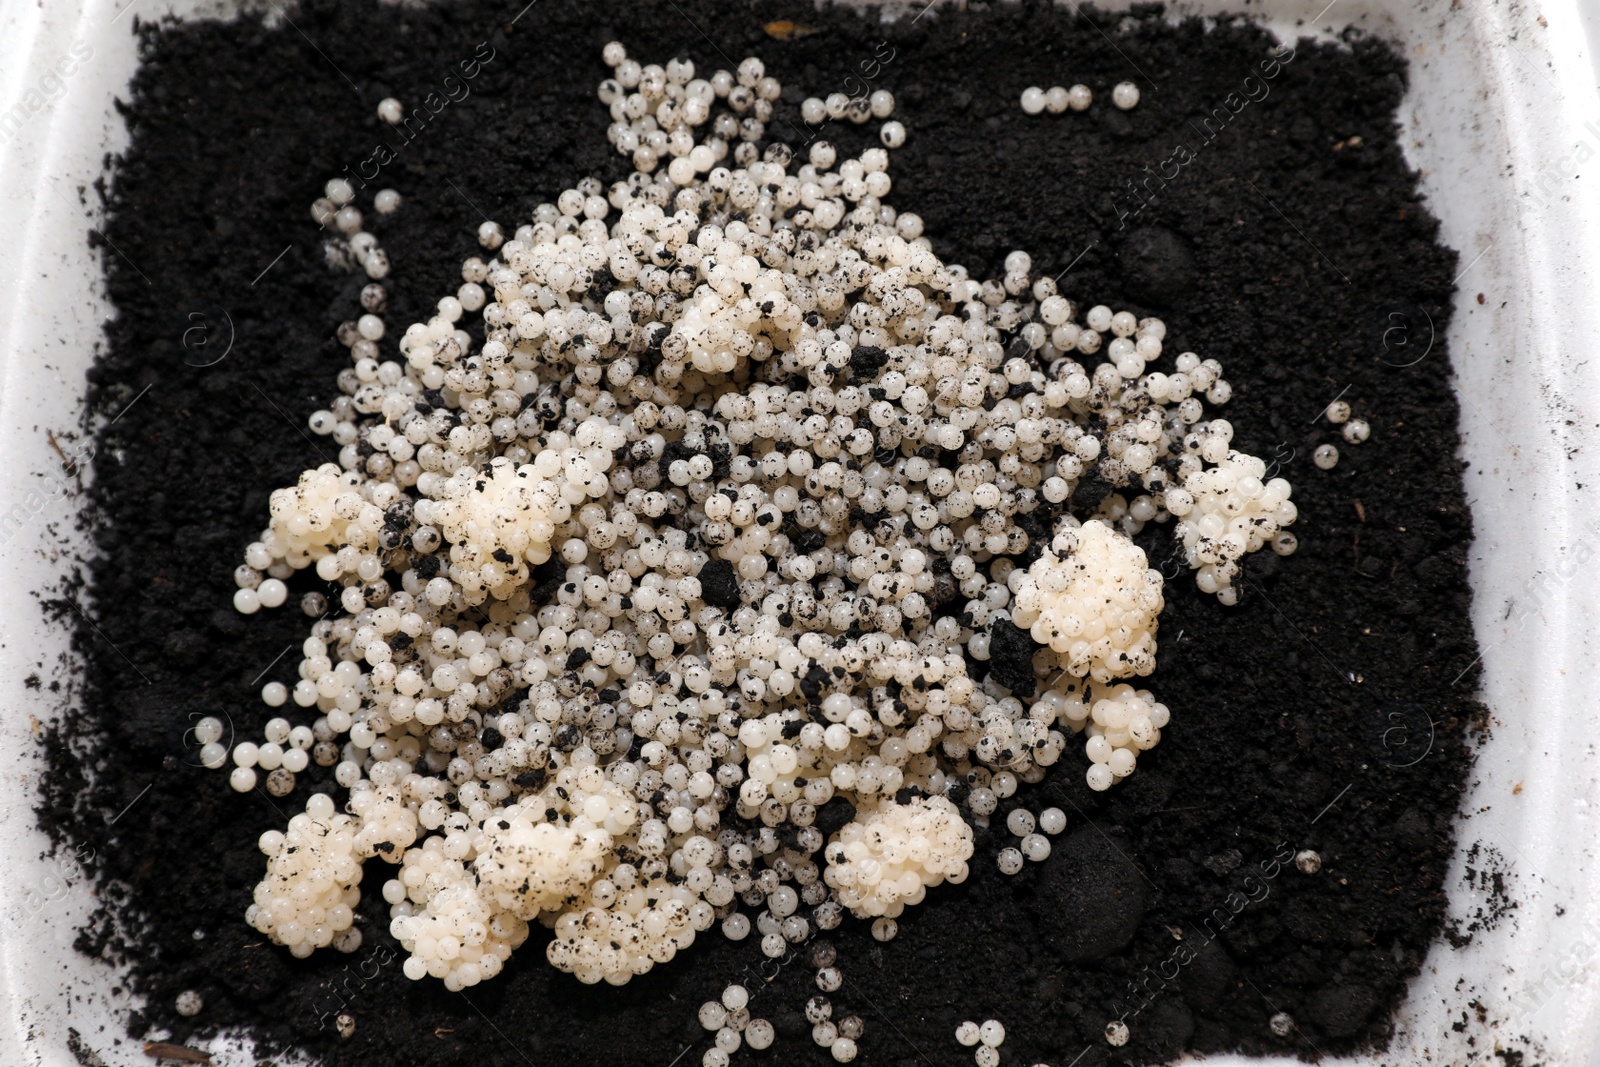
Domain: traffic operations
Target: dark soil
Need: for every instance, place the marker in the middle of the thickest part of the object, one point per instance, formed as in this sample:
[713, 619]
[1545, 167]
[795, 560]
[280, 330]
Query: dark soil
[1318, 714]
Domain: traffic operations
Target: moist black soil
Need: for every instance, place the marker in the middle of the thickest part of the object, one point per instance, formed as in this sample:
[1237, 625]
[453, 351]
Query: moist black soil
[1271, 220]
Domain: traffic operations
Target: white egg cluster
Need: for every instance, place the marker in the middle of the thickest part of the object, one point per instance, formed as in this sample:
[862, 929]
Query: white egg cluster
[1227, 511]
[729, 1019]
[642, 927]
[456, 936]
[320, 515]
[1119, 722]
[313, 872]
[1056, 99]
[1092, 599]
[1034, 845]
[526, 865]
[671, 538]
[892, 855]
[500, 520]
[985, 1040]
[388, 820]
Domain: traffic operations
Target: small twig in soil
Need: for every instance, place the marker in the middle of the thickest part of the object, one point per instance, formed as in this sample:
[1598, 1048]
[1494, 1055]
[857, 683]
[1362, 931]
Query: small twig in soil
[163, 1050]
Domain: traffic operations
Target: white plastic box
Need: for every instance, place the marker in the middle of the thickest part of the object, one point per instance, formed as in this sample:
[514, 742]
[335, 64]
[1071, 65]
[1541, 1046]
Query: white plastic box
[1503, 121]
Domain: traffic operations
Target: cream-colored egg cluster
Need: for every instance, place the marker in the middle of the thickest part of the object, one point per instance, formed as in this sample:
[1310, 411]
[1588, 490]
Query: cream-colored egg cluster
[321, 514]
[551, 857]
[526, 865]
[724, 326]
[388, 823]
[890, 856]
[640, 928]
[1227, 511]
[456, 936]
[671, 101]
[305, 901]
[500, 520]
[1093, 600]
[1119, 722]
